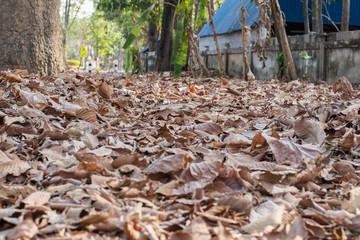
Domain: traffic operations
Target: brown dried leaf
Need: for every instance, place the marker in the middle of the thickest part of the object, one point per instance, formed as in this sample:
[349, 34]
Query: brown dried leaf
[21, 72]
[180, 235]
[198, 229]
[342, 85]
[350, 140]
[179, 188]
[266, 217]
[16, 129]
[14, 167]
[26, 230]
[96, 218]
[353, 203]
[288, 151]
[90, 140]
[87, 114]
[167, 164]
[343, 168]
[37, 100]
[101, 162]
[308, 174]
[309, 131]
[106, 90]
[258, 141]
[13, 78]
[37, 198]
[209, 127]
[55, 135]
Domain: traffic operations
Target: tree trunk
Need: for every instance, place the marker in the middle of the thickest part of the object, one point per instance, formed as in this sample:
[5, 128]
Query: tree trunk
[244, 42]
[197, 52]
[314, 24]
[66, 21]
[220, 60]
[320, 29]
[345, 16]
[279, 24]
[306, 16]
[152, 34]
[165, 49]
[31, 36]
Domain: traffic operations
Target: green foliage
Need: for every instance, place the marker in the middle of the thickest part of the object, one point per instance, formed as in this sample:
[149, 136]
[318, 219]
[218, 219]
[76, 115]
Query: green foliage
[135, 61]
[104, 36]
[280, 59]
[115, 5]
[201, 13]
[180, 38]
[127, 60]
[73, 62]
[304, 55]
[135, 32]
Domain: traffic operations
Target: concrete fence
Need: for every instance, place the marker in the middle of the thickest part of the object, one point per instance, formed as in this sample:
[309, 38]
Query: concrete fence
[332, 56]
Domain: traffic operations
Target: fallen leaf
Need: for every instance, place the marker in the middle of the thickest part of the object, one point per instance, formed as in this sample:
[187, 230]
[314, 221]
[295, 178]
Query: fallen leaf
[309, 131]
[87, 114]
[106, 90]
[167, 164]
[37, 198]
[288, 151]
[26, 230]
[265, 218]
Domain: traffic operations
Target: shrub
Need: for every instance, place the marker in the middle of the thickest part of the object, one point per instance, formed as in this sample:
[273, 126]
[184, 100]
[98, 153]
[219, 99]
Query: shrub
[73, 62]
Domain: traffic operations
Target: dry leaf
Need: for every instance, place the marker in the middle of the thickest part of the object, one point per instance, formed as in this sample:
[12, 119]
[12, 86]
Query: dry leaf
[288, 151]
[167, 164]
[37, 198]
[309, 131]
[211, 128]
[351, 140]
[13, 78]
[87, 114]
[14, 167]
[342, 85]
[26, 230]
[265, 218]
[106, 90]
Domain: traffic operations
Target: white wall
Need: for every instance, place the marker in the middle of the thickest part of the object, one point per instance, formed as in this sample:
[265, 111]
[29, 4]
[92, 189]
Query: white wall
[234, 39]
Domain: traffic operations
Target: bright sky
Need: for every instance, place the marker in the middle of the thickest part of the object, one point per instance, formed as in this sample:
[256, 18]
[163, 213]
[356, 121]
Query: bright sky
[87, 8]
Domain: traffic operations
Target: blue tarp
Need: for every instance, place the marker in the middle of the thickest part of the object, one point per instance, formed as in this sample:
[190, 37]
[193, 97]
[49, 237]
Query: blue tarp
[228, 18]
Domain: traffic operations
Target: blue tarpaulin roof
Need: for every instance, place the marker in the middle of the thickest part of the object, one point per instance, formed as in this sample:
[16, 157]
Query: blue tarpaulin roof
[228, 18]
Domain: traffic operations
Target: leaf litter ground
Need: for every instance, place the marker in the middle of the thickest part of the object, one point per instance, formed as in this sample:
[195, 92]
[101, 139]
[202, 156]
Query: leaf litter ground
[111, 156]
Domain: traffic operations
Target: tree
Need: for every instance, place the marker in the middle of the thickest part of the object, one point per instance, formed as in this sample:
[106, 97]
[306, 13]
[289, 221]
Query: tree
[279, 24]
[31, 36]
[104, 36]
[317, 23]
[114, 10]
[165, 49]
[71, 7]
[345, 15]
[221, 63]
[306, 16]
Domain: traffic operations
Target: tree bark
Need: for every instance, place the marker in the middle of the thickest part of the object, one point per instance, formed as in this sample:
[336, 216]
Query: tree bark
[220, 60]
[345, 16]
[152, 34]
[197, 52]
[306, 16]
[314, 24]
[31, 36]
[165, 49]
[320, 29]
[244, 42]
[279, 24]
